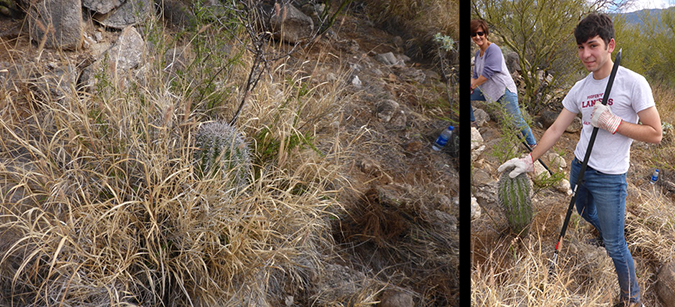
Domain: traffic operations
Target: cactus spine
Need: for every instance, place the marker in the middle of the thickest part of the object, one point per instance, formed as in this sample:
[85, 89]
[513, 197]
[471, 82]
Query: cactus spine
[514, 197]
[221, 149]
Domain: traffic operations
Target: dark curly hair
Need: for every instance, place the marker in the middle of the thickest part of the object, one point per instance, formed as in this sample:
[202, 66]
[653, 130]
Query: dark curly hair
[594, 24]
[479, 23]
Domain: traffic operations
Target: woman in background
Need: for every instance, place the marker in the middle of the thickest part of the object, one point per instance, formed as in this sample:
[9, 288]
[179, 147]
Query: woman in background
[492, 81]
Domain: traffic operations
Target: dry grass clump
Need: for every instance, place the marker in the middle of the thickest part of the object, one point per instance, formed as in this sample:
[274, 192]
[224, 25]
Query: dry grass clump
[651, 225]
[101, 203]
[516, 273]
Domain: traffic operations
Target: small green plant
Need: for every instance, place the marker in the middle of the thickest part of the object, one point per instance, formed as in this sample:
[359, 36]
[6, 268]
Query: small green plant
[222, 150]
[514, 197]
[507, 146]
[544, 180]
[445, 42]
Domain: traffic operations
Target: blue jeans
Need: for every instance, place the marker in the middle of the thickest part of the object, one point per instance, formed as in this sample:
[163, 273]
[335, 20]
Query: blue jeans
[601, 201]
[510, 103]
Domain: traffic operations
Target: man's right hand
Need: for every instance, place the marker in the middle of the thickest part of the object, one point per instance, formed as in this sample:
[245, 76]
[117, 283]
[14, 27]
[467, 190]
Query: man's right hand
[522, 165]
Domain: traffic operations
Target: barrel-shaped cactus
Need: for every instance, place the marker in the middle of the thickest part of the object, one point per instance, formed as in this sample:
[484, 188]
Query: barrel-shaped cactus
[222, 150]
[514, 197]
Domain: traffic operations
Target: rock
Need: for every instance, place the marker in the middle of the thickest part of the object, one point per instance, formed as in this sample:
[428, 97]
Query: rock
[387, 109]
[389, 59]
[356, 82]
[58, 82]
[128, 51]
[176, 13]
[398, 121]
[476, 138]
[539, 170]
[665, 284]
[575, 126]
[480, 178]
[56, 23]
[475, 209]
[512, 61]
[556, 161]
[290, 24]
[126, 54]
[486, 194]
[348, 45]
[370, 167]
[481, 117]
[396, 298]
[564, 186]
[477, 146]
[102, 6]
[548, 117]
[129, 13]
[475, 153]
[443, 221]
[410, 74]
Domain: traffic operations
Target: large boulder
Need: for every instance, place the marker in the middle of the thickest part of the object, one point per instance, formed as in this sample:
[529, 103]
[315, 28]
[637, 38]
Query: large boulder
[102, 6]
[56, 24]
[128, 13]
[290, 24]
[512, 62]
[128, 51]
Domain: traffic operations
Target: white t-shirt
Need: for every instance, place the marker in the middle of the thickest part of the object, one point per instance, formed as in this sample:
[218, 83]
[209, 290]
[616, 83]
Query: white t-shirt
[629, 95]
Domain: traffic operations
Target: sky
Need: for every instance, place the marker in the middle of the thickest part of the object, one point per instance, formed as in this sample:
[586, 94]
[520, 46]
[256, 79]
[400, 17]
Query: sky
[649, 4]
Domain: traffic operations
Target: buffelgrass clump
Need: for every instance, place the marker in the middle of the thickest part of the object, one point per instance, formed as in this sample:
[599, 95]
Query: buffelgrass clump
[221, 149]
[100, 204]
[514, 272]
[651, 224]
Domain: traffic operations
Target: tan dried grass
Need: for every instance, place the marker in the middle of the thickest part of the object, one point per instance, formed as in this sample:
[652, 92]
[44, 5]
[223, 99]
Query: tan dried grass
[100, 206]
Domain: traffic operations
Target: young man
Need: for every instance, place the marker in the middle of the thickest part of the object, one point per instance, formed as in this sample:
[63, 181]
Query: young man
[601, 196]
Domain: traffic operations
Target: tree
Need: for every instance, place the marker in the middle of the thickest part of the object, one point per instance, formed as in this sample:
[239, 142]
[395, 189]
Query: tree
[648, 45]
[541, 32]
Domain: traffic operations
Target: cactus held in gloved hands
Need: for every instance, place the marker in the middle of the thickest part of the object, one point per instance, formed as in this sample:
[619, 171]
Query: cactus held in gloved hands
[514, 196]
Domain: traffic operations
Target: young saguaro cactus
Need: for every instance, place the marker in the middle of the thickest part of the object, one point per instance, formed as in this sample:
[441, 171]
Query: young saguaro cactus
[514, 197]
[221, 149]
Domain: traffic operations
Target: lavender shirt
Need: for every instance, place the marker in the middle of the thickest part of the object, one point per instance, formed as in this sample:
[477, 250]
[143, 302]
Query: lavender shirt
[493, 67]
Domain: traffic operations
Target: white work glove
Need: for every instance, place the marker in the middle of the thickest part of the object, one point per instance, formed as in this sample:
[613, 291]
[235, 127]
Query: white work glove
[522, 165]
[603, 118]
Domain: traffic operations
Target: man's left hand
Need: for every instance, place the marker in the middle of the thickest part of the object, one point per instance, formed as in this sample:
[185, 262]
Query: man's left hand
[603, 118]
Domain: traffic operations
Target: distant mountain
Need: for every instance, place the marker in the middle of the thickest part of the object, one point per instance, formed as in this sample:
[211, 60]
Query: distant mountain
[635, 17]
